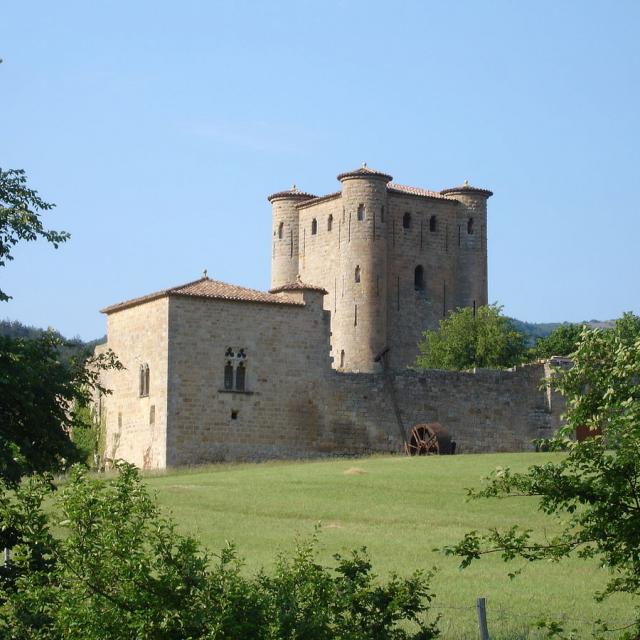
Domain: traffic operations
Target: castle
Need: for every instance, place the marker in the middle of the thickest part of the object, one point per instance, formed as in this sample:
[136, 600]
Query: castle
[318, 365]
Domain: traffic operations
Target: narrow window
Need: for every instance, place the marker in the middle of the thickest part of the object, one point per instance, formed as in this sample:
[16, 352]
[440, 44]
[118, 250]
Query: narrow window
[418, 278]
[146, 379]
[141, 381]
[459, 232]
[281, 230]
[329, 223]
[342, 359]
[228, 375]
[152, 414]
[357, 273]
[470, 226]
[314, 227]
[355, 316]
[382, 214]
[474, 308]
[360, 212]
[240, 377]
[432, 223]
[406, 220]
[234, 414]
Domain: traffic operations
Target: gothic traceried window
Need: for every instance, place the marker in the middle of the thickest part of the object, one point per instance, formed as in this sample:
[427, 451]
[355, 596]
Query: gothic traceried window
[228, 376]
[240, 377]
[235, 369]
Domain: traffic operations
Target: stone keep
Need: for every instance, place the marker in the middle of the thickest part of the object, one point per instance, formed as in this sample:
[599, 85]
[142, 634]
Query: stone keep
[393, 259]
[318, 365]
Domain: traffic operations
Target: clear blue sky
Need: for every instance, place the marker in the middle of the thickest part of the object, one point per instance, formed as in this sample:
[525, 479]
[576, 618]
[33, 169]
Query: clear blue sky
[159, 128]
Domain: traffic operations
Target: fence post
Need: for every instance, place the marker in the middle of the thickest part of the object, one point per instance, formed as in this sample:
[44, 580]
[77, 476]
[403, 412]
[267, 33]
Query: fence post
[481, 606]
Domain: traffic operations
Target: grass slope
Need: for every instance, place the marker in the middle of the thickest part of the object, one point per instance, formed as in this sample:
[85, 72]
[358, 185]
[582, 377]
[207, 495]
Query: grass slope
[400, 509]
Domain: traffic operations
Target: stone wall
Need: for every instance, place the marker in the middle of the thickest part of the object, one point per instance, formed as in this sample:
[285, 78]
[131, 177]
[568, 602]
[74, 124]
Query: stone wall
[135, 425]
[279, 412]
[294, 404]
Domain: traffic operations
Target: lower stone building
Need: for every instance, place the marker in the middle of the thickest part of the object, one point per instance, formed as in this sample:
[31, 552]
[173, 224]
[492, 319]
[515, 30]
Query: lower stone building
[217, 372]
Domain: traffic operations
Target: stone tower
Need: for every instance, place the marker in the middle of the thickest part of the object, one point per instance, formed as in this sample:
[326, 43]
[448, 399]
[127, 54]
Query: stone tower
[284, 256]
[394, 260]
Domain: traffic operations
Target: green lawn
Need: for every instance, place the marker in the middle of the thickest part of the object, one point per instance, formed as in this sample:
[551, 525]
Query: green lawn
[400, 509]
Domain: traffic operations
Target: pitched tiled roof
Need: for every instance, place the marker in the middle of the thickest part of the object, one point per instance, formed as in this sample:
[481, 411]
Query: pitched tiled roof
[298, 285]
[364, 171]
[415, 191]
[213, 289]
[309, 203]
[467, 187]
[294, 193]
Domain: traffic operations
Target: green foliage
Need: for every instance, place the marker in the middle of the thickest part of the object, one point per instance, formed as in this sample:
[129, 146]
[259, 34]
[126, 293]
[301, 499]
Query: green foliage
[120, 570]
[464, 340]
[38, 393]
[19, 217]
[594, 488]
[562, 341]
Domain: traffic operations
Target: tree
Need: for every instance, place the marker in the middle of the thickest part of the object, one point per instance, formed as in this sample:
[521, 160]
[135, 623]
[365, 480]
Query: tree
[596, 485]
[562, 341]
[19, 217]
[115, 568]
[40, 382]
[466, 339]
[38, 393]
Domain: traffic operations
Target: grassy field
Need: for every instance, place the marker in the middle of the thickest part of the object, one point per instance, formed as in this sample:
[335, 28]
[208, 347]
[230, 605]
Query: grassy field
[400, 509]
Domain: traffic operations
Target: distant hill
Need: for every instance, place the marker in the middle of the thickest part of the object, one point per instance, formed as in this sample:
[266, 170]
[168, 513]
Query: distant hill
[534, 330]
[73, 346]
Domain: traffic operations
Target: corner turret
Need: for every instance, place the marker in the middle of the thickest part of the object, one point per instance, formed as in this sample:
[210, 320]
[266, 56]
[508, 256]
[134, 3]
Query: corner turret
[471, 266]
[284, 253]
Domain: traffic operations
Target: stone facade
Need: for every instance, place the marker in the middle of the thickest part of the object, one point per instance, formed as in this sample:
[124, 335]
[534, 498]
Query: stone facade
[320, 368]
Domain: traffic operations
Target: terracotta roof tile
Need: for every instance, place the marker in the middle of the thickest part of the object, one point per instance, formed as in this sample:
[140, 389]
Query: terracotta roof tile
[415, 191]
[298, 285]
[467, 187]
[207, 288]
[364, 171]
[293, 193]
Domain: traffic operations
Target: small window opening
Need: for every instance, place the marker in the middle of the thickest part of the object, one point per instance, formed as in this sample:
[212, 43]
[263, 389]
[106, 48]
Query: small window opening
[433, 223]
[342, 359]
[360, 212]
[234, 414]
[406, 220]
[418, 278]
[470, 226]
[355, 316]
[382, 214]
[240, 377]
[314, 227]
[119, 420]
[329, 223]
[281, 230]
[152, 414]
[144, 380]
[228, 375]
[357, 274]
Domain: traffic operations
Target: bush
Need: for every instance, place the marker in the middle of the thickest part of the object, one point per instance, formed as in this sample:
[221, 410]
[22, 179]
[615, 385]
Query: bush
[118, 569]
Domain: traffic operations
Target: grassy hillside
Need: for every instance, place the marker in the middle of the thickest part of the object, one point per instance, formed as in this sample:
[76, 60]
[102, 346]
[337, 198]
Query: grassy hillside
[400, 509]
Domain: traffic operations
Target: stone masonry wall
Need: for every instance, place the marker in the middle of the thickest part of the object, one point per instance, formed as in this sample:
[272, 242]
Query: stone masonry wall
[410, 312]
[281, 411]
[135, 426]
